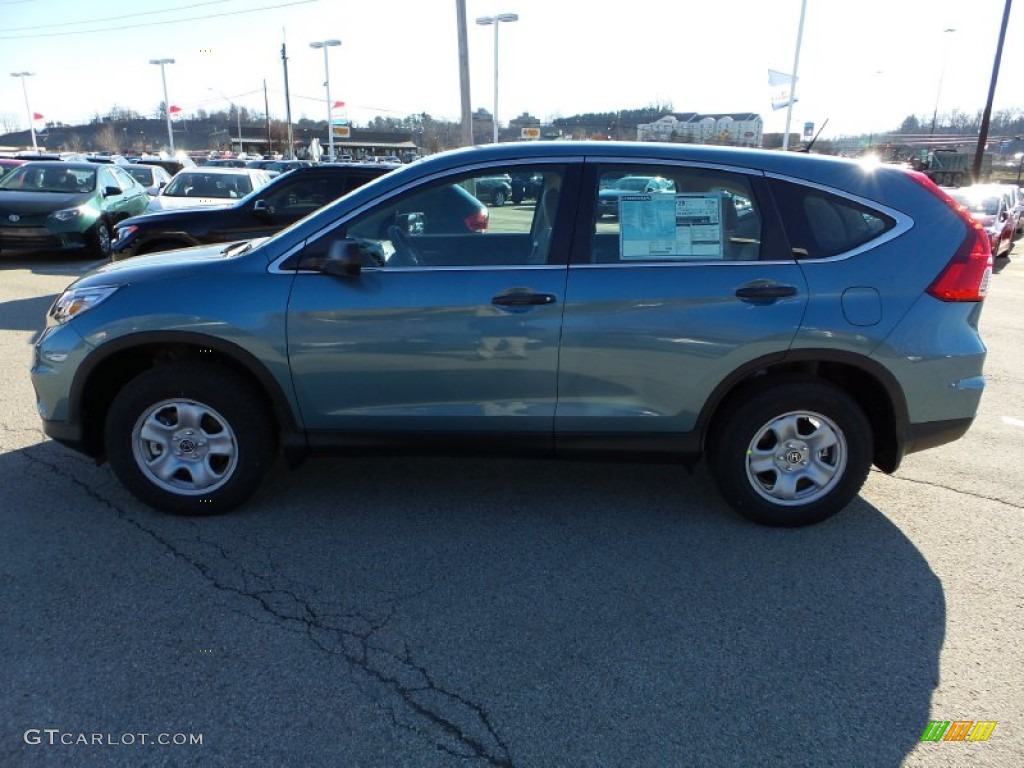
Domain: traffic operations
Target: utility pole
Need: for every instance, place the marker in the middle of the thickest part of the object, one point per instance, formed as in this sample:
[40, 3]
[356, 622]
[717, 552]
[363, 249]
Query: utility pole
[979, 153]
[467, 110]
[266, 116]
[290, 154]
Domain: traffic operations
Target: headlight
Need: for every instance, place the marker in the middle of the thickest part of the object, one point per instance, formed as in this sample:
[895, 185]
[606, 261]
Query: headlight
[69, 214]
[74, 301]
[124, 232]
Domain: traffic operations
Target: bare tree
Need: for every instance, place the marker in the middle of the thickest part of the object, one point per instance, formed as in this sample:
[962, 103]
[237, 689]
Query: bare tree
[107, 138]
[9, 122]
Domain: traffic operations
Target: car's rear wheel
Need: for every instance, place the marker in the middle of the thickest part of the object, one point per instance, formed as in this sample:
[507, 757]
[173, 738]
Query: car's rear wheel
[99, 240]
[793, 453]
[498, 198]
[189, 438]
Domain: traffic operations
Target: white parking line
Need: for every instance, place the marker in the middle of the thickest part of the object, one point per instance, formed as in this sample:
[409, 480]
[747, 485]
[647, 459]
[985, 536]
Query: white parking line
[1012, 421]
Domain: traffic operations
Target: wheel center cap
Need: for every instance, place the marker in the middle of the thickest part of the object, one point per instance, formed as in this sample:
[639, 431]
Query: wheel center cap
[188, 445]
[794, 457]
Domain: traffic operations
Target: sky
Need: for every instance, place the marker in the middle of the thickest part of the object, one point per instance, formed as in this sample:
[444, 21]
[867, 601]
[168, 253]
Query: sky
[863, 66]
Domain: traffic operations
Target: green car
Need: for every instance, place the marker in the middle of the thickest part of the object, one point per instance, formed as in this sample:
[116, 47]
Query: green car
[50, 206]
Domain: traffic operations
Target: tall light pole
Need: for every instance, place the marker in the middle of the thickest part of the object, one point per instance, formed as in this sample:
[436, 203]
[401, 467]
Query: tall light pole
[167, 104]
[325, 44]
[496, 20]
[28, 109]
[238, 115]
[942, 74]
[793, 74]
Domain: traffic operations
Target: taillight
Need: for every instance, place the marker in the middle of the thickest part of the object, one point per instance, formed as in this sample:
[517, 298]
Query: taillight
[477, 221]
[966, 276]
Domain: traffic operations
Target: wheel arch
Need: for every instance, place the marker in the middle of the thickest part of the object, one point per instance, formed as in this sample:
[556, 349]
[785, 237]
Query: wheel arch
[872, 387]
[103, 374]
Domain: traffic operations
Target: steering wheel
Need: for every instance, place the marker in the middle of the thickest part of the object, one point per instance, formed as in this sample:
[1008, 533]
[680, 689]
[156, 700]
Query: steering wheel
[406, 253]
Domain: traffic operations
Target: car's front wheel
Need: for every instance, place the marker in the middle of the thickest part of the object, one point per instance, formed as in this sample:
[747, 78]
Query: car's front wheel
[189, 438]
[99, 240]
[793, 453]
[498, 198]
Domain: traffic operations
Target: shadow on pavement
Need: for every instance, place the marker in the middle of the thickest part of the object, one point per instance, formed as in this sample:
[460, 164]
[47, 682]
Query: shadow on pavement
[25, 314]
[514, 612]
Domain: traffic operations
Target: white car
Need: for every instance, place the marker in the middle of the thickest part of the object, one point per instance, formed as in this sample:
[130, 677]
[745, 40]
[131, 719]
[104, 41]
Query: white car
[208, 187]
[152, 177]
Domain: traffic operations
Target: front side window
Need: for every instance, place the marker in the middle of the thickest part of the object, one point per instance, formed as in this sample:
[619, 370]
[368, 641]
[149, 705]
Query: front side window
[674, 214]
[500, 217]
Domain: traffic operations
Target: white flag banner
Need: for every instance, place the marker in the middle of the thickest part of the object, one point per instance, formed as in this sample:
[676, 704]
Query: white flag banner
[781, 86]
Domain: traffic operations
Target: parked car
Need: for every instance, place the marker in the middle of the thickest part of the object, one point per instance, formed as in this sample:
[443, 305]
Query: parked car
[777, 315]
[171, 165]
[53, 205]
[285, 200]
[227, 162]
[989, 208]
[496, 190]
[152, 177]
[526, 187]
[608, 197]
[206, 186]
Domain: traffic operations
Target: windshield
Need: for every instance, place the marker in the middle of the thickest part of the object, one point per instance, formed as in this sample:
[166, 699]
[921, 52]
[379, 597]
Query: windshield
[32, 178]
[197, 184]
[986, 206]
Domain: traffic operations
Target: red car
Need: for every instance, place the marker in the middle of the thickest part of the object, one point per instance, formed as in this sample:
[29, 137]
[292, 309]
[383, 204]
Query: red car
[988, 207]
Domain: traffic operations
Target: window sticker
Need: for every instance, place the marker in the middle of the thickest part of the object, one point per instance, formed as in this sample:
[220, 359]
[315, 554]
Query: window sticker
[669, 225]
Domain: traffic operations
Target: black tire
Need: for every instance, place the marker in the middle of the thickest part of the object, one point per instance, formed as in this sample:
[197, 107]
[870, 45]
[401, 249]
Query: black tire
[203, 413]
[498, 198]
[792, 453]
[99, 240]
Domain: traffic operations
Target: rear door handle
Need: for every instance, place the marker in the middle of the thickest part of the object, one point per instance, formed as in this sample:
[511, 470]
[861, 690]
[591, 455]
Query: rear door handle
[766, 291]
[523, 299]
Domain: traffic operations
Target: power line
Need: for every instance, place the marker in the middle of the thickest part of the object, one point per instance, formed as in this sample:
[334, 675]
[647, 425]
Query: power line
[156, 23]
[113, 18]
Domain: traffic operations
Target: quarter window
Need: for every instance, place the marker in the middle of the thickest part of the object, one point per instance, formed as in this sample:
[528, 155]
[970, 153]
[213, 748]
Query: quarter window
[820, 224]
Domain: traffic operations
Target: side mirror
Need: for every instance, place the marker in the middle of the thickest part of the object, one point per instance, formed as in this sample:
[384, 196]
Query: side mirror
[344, 259]
[111, 191]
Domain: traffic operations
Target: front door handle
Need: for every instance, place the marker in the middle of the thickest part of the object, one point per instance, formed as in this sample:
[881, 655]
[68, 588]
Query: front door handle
[766, 291]
[520, 299]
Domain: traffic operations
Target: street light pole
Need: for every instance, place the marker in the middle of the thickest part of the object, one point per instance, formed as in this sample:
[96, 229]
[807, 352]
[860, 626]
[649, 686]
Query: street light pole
[28, 109]
[167, 104]
[496, 20]
[325, 44]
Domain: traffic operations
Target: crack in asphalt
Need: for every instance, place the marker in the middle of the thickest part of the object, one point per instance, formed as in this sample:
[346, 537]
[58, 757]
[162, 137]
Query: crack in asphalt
[930, 484]
[466, 728]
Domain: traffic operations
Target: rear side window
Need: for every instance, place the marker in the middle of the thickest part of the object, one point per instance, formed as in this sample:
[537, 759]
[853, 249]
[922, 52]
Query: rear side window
[668, 213]
[820, 224]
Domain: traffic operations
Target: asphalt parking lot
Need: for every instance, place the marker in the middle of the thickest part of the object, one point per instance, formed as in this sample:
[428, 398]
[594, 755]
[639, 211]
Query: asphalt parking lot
[435, 612]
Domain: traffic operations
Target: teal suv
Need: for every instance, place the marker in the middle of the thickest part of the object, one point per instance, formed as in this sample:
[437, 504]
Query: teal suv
[792, 319]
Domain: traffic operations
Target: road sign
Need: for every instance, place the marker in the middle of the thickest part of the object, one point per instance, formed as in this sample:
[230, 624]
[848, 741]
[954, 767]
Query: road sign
[530, 133]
